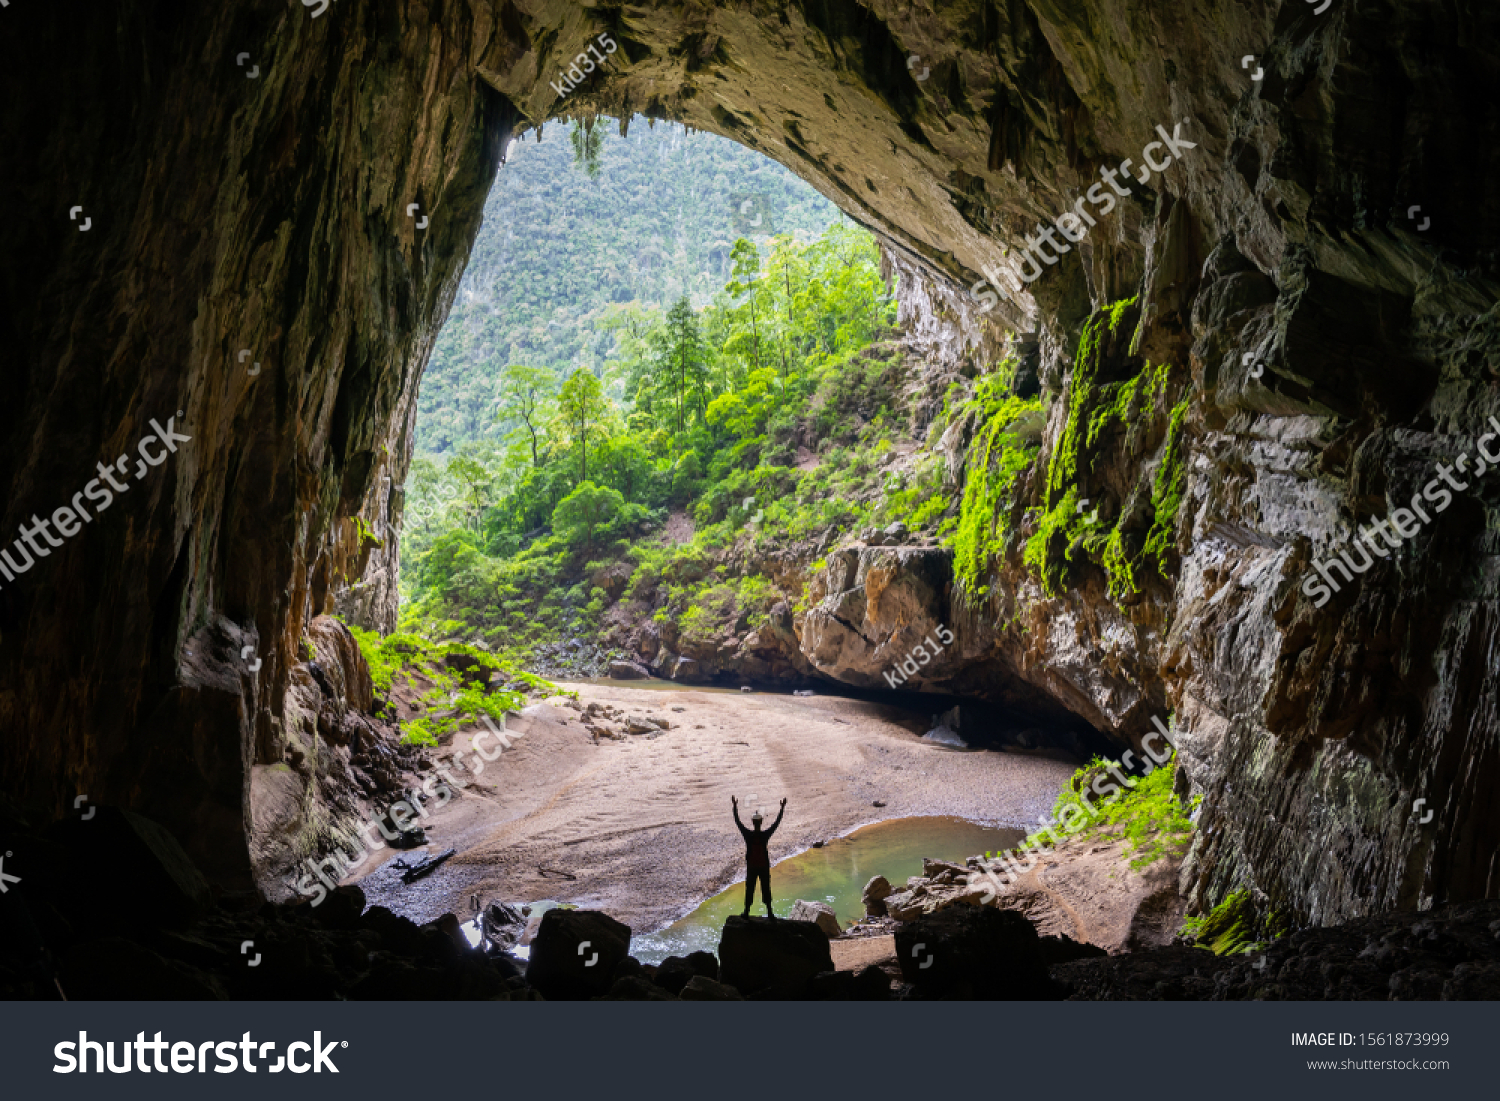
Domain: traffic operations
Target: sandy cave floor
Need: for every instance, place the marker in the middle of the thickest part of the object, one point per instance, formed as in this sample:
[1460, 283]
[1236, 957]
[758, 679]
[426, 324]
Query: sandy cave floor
[645, 825]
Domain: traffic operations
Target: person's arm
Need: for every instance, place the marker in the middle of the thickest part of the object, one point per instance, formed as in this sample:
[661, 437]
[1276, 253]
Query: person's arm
[743, 831]
[776, 823]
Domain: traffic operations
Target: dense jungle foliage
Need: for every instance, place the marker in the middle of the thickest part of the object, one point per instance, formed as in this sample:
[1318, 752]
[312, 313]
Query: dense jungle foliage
[565, 258]
[626, 359]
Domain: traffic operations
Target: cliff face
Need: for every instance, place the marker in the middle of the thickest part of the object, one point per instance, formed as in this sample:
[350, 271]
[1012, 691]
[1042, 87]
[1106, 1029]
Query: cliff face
[270, 212]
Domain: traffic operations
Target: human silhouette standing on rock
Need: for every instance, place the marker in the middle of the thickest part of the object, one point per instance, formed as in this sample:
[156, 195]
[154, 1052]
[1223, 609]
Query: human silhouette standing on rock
[757, 855]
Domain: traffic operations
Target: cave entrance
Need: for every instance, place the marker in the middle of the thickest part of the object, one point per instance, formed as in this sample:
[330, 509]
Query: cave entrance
[669, 386]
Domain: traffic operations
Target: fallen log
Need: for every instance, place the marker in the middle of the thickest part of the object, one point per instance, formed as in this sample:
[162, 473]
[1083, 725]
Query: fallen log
[413, 872]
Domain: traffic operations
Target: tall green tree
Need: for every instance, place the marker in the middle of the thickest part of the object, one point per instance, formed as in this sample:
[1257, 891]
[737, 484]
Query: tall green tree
[580, 515]
[682, 361]
[744, 259]
[468, 470]
[582, 408]
[524, 395]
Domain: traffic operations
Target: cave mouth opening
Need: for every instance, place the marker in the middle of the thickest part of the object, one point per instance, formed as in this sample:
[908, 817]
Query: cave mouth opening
[620, 229]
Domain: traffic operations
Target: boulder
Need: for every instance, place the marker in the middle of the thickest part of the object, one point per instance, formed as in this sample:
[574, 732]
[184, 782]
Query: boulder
[449, 926]
[934, 868]
[820, 914]
[974, 952]
[504, 923]
[904, 906]
[701, 989]
[627, 670]
[599, 728]
[637, 725]
[575, 954]
[627, 967]
[876, 892]
[767, 958]
[341, 909]
[674, 972]
[397, 934]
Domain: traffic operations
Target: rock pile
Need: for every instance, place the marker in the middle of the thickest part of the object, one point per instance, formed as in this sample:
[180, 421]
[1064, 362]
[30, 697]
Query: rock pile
[1451, 954]
[604, 721]
[940, 885]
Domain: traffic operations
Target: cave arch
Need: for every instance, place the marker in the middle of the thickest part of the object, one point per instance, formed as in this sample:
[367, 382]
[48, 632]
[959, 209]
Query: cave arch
[245, 247]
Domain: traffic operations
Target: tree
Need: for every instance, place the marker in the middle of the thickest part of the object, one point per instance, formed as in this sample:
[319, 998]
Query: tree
[469, 472]
[745, 260]
[524, 394]
[582, 407]
[681, 361]
[584, 511]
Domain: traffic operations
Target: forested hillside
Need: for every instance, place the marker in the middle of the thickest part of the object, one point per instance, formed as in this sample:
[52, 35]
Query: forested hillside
[718, 415]
[562, 252]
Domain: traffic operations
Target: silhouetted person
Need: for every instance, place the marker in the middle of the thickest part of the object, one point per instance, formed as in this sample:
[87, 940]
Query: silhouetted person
[757, 855]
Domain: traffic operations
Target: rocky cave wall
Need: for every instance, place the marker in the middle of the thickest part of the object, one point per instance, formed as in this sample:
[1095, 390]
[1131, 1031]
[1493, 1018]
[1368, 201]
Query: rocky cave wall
[269, 212]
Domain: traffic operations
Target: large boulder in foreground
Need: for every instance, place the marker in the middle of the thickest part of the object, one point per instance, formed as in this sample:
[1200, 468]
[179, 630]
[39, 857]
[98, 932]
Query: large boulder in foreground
[575, 954]
[776, 959]
[974, 952]
[674, 972]
[820, 914]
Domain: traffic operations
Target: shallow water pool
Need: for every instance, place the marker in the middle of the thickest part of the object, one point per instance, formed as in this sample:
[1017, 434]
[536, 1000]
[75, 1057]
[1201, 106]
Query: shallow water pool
[835, 874]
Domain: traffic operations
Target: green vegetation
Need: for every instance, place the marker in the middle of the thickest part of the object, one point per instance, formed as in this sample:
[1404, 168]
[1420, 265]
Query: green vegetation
[568, 263]
[1063, 530]
[1236, 926]
[1166, 492]
[1226, 930]
[450, 679]
[1004, 448]
[542, 535]
[1148, 817]
[1062, 471]
[366, 533]
[628, 360]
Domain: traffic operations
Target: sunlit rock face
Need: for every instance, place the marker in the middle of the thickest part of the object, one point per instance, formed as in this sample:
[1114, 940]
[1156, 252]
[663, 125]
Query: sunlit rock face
[312, 218]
